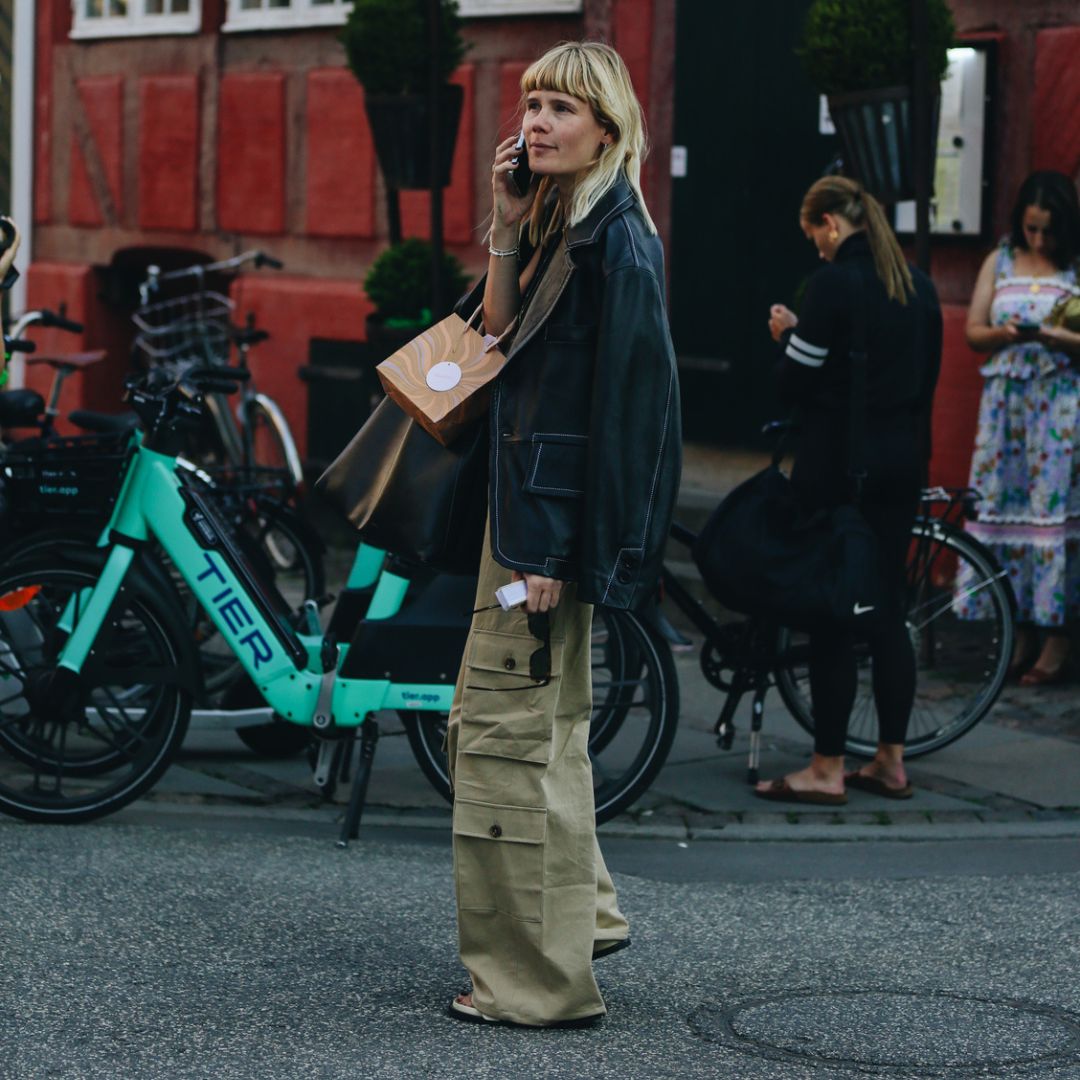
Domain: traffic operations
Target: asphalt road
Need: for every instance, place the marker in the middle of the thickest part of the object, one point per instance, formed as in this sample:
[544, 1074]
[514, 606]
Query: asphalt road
[172, 942]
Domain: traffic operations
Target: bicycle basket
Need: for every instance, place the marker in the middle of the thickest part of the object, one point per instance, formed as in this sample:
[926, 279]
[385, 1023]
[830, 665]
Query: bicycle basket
[76, 475]
[188, 328]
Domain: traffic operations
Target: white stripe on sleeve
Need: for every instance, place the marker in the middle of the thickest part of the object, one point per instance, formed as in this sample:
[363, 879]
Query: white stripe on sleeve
[799, 356]
[807, 348]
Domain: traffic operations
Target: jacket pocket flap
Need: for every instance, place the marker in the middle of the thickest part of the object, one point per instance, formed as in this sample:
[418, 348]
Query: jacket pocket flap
[494, 821]
[508, 654]
[557, 465]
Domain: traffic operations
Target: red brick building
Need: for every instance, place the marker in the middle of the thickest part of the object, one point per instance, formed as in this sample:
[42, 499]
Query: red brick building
[211, 126]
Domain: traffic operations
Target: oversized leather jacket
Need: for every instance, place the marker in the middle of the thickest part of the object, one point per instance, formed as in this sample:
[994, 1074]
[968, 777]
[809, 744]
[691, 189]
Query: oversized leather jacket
[586, 442]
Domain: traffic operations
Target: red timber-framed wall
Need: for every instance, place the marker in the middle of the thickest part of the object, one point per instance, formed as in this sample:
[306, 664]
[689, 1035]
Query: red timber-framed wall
[1035, 124]
[216, 142]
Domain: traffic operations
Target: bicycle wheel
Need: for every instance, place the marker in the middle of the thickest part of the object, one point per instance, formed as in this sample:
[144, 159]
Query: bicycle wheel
[269, 441]
[635, 713]
[961, 661]
[83, 753]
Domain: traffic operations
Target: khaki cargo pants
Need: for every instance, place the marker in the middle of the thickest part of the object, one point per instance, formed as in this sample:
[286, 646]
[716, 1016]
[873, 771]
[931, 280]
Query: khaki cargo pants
[533, 893]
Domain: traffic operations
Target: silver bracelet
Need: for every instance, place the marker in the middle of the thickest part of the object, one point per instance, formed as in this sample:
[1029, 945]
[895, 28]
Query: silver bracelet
[501, 254]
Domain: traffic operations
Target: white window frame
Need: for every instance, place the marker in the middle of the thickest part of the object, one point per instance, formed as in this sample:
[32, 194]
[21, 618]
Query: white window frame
[136, 23]
[299, 13]
[478, 9]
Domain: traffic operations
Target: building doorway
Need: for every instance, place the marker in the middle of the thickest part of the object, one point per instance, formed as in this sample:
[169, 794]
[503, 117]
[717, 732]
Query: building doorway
[748, 118]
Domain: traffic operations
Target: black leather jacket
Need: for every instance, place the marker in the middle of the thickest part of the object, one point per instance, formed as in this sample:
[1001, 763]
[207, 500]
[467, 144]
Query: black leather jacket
[586, 442]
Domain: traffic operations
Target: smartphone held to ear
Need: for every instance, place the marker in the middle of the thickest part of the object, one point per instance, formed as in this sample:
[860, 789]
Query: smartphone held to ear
[522, 174]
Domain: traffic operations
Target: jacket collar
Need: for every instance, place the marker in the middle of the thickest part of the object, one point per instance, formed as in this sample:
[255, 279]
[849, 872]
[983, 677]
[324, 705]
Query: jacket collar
[858, 243]
[617, 199]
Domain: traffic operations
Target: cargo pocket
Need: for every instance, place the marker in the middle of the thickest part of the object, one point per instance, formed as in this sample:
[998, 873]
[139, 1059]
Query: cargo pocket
[504, 713]
[499, 855]
[557, 465]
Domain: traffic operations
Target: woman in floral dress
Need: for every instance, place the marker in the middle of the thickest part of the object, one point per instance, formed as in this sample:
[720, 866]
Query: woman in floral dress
[1026, 462]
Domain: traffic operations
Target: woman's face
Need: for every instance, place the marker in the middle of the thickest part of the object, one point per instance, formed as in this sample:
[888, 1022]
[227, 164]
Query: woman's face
[562, 134]
[822, 236]
[1036, 224]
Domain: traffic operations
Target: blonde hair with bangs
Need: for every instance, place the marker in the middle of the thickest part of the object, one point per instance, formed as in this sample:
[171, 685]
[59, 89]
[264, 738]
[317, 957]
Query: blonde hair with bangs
[594, 73]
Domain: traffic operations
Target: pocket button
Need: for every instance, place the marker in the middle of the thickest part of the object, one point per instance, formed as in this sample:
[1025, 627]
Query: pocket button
[509, 663]
[495, 831]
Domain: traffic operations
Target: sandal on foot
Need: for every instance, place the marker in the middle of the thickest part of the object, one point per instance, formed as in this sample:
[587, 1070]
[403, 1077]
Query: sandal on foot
[876, 786]
[1038, 676]
[470, 1014]
[781, 791]
[611, 945]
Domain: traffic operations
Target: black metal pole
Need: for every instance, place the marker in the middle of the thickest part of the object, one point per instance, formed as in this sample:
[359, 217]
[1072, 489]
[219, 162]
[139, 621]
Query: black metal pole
[923, 152]
[434, 98]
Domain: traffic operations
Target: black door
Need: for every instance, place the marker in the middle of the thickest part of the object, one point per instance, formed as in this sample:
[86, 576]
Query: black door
[748, 118]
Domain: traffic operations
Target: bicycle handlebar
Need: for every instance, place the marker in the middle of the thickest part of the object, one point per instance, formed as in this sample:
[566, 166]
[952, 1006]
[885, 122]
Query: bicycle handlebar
[13, 345]
[60, 322]
[155, 278]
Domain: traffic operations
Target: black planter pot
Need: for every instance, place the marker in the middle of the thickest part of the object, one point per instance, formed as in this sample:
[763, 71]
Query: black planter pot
[401, 129]
[875, 129]
[385, 340]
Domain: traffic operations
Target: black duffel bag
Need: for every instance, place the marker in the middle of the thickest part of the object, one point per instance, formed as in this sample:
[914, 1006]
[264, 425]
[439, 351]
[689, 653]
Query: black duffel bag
[762, 554]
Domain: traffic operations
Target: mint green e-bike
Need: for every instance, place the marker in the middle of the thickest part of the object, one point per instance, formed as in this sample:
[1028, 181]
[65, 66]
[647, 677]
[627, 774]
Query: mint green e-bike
[99, 668]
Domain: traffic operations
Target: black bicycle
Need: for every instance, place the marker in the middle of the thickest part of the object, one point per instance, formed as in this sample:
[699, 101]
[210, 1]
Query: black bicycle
[960, 615]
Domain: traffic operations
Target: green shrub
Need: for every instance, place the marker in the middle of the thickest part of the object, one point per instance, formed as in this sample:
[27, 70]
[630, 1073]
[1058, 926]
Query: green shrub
[386, 44]
[853, 45]
[399, 281]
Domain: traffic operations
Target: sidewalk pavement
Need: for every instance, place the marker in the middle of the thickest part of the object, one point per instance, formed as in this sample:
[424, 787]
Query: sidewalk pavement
[1016, 774]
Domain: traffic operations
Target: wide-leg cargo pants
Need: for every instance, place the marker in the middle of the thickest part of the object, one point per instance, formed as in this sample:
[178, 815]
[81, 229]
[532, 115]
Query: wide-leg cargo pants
[533, 893]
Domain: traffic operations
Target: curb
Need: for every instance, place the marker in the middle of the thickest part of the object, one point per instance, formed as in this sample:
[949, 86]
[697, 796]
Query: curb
[1060, 827]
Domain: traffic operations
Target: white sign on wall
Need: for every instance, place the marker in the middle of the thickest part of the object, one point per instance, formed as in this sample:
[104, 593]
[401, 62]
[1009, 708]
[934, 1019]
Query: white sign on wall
[956, 207]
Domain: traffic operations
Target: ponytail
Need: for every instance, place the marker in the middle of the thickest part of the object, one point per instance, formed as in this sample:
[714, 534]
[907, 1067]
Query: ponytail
[848, 199]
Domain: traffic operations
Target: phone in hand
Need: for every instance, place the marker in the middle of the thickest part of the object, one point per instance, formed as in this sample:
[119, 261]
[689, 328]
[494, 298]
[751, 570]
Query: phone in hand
[1027, 327]
[522, 175]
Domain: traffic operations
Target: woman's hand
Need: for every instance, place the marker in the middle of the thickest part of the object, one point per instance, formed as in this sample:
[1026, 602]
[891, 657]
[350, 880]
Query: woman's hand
[510, 207]
[1059, 339]
[544, 592]
[781, 319]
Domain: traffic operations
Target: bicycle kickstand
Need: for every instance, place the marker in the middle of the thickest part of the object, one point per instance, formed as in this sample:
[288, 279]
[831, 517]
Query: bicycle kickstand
[757, 713]
[369, 737]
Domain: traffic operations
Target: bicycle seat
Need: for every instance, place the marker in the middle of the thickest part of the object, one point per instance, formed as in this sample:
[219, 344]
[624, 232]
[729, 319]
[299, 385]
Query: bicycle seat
[20, 408]
[71, 361]
[104, 423]
[248, 335]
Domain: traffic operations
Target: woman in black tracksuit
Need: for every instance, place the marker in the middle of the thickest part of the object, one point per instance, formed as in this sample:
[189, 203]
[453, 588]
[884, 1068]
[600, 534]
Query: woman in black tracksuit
[903, 346]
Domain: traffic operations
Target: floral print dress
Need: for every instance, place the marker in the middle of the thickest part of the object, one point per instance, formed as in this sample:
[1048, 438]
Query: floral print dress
[1026, 463]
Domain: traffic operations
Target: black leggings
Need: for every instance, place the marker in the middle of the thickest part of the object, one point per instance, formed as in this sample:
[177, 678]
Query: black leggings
[833, 664]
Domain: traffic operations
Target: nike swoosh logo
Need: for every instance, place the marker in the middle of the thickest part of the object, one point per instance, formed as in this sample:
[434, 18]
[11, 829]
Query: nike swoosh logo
[862, 609]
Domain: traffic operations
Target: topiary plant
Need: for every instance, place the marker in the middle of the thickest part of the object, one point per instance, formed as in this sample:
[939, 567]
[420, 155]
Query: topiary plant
[399, 282]
[851, 45]
[386, 43]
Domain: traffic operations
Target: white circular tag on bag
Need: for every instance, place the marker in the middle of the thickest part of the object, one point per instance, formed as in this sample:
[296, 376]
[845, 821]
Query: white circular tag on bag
[444, 376]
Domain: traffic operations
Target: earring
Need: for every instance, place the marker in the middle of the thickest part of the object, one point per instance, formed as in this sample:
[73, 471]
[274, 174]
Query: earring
[834, 236]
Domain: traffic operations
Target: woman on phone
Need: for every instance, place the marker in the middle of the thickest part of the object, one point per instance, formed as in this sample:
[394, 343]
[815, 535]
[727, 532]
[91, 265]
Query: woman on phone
[584, 470]
[1026, 463]
[903, 354]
